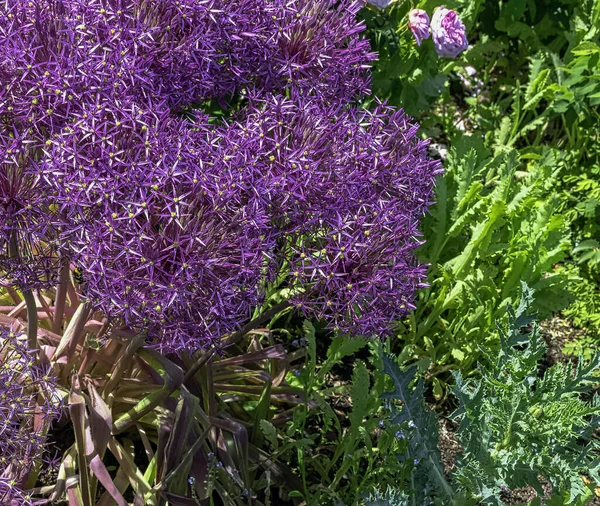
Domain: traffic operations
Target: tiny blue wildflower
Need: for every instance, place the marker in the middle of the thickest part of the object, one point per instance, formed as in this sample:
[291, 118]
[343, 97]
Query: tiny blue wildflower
[399, 435]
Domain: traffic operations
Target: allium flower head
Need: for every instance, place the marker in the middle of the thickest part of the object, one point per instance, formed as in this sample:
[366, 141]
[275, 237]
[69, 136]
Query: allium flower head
[418, 22]
[49, 70]
[319, 52]
[57, 55]
[448, 33]
[190, 51]
[27, 223]
[28, 405]
[345, 189]
[169, 238]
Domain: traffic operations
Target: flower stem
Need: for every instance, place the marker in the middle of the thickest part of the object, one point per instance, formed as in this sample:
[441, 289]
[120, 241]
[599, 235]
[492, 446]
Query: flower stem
[61, 296]
[32, 317]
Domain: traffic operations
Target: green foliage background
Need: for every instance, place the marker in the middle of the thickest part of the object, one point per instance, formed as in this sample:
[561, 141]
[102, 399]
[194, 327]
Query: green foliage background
[516, 119]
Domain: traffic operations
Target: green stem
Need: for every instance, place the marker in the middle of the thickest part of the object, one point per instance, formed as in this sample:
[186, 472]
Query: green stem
[61, 296]
[32, 319]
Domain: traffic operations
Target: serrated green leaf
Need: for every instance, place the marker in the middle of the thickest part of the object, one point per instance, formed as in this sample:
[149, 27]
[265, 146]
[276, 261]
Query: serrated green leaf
[425, 441]
[359, 394]
[340, 347]
[270, 433]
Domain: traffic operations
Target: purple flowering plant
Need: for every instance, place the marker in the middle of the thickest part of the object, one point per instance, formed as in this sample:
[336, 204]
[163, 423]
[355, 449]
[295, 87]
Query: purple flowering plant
[410, 72]
[448, 33]
[418, 22]
[29, 403]
[160, 210]
[132, 219]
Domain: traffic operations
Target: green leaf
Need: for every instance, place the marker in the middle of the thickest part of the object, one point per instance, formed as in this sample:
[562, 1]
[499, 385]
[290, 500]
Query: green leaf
[270, 433]
[309, 335]
[359, 395]
[458, 354]
[503, 133]
[535, 90]
[425, 439]
[586, 48]
[340, 347]
[438, 389]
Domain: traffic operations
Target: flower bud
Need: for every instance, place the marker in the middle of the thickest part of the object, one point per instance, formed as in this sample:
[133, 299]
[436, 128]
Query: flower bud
[380, 4]
[448, 33]
[418, 22]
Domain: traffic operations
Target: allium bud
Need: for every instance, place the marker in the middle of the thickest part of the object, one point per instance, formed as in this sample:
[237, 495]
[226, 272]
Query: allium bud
[418, 22]
[448, 33]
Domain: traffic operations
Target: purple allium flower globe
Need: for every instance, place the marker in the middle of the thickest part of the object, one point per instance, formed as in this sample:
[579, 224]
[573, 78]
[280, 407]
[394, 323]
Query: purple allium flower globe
[318, 52]
[418, 22]
[29, 402]
[181, 221]
[28, 230]
[342, 188]
[448, 33]
[169, 231]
